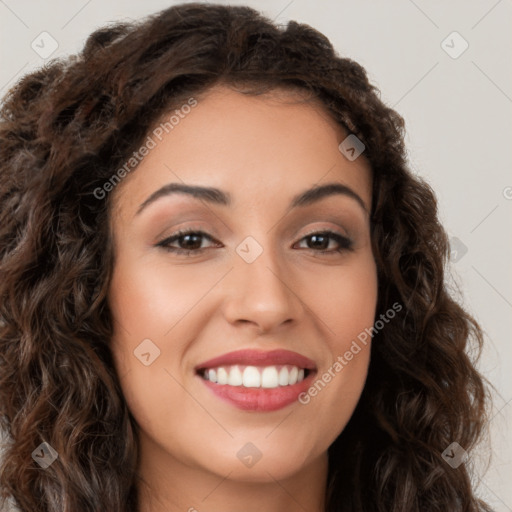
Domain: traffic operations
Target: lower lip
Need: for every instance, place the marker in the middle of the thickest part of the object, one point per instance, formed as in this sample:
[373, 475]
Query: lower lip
[259, 399]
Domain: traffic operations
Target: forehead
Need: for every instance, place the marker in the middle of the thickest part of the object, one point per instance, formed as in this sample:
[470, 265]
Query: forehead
[251, 145]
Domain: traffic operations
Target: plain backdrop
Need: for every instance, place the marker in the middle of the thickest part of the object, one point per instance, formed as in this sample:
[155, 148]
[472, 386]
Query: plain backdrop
[455, 93]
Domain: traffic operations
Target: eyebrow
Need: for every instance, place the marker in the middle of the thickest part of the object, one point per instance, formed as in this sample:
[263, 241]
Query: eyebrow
[219, 197]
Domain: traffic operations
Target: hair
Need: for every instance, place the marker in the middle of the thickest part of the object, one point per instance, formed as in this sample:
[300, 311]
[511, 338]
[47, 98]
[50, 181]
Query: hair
[66, 127]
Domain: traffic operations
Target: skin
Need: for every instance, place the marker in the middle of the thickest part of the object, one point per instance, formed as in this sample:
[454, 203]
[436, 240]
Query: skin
[262, 150]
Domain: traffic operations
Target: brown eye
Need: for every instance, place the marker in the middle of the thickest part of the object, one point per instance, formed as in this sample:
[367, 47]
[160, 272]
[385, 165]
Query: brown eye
[188, 242]
[319, 242]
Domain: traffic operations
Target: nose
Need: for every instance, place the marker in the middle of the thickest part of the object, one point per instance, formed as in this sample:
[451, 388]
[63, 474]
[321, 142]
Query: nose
[262, 294]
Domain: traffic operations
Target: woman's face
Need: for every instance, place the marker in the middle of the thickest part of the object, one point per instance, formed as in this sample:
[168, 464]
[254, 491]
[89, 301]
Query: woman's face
[263, 304]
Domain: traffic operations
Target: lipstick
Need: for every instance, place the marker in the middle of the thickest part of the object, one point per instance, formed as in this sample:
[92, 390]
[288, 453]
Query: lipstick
[254, 380]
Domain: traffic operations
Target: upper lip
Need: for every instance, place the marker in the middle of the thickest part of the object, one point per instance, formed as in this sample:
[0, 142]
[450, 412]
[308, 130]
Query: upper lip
[252, 357]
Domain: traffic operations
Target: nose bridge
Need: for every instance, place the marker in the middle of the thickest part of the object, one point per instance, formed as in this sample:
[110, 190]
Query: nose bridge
[262, 293]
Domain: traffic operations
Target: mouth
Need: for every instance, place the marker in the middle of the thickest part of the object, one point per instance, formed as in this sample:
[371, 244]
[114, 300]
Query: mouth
[258, 381]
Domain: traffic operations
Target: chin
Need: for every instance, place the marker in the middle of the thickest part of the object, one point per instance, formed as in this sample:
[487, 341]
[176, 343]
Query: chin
[261, 462]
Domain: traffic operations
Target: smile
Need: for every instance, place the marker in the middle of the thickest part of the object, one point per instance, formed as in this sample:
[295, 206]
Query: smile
[258, 381]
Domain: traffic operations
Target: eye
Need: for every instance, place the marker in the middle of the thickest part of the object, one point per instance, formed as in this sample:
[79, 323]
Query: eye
[321, 240]
[190, 241]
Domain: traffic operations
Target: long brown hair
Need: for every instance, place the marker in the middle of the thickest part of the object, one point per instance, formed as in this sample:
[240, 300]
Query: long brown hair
[66, 128]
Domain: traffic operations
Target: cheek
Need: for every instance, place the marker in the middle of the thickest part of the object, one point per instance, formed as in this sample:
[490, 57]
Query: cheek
[147, 301]
[144, 309]
[346, 301]
[346, 307]
[151, 306]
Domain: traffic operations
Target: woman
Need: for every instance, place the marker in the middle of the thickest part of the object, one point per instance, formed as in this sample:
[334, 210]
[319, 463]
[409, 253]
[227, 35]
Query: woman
[221, 286]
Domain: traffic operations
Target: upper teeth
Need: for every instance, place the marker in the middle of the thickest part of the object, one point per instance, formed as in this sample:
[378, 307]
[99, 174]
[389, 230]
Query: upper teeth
[255, 376]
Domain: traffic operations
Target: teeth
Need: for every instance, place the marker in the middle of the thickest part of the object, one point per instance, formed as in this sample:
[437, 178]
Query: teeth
[255, 377]
[269, 377]
[252, 377]
[235, 376]
[294, 373]
[222, 376]
[283, 376]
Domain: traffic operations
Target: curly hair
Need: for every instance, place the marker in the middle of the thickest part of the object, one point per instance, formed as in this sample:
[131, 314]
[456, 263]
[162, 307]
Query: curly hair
[66, 127]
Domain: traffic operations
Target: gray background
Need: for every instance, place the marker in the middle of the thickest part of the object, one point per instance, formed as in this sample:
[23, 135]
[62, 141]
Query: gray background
[459, 134]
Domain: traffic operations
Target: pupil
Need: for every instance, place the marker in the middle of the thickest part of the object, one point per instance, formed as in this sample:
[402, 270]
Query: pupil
[193, 244]
[316, 237]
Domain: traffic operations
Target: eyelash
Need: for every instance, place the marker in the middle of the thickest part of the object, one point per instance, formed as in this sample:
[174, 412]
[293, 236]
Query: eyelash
[345, 243]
